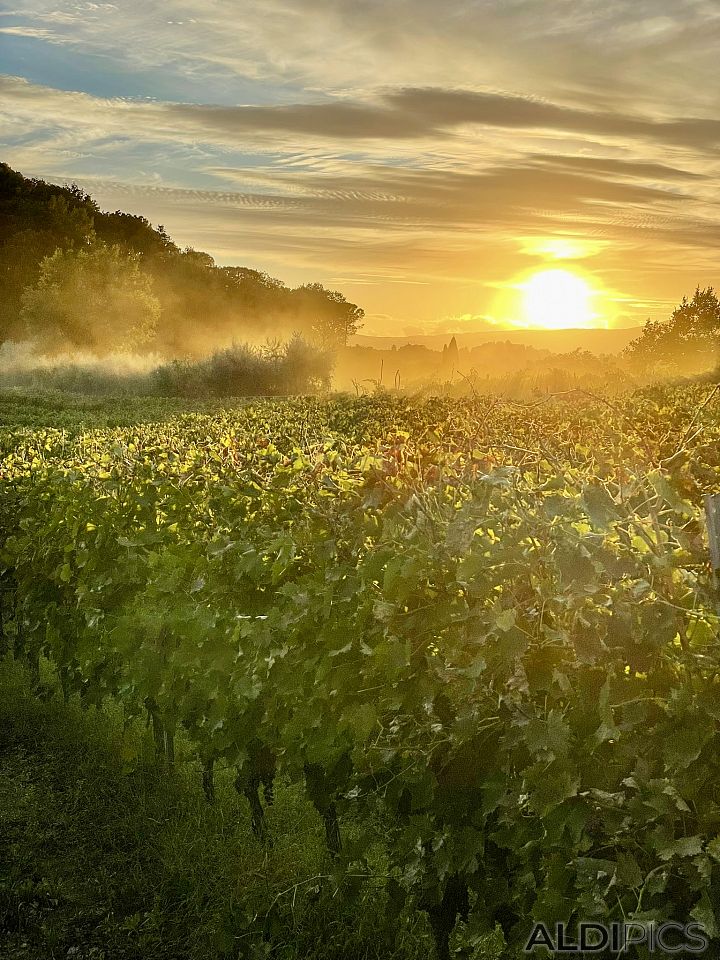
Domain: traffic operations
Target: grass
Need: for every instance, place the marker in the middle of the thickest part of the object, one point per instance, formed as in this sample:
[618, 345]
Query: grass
[105, 860]
[22, 409]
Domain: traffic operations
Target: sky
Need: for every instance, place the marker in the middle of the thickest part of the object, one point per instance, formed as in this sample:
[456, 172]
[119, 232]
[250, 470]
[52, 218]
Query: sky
[425, 158]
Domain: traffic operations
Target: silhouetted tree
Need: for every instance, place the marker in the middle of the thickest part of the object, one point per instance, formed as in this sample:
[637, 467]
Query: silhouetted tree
[328, 317]
[134, 233]
[688, 341]
[450, 357]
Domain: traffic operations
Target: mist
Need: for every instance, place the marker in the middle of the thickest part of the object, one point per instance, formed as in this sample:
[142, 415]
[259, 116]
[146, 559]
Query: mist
[273, 369]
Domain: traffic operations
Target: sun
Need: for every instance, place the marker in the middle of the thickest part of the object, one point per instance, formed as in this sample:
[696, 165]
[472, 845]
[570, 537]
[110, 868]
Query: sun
[557, 300]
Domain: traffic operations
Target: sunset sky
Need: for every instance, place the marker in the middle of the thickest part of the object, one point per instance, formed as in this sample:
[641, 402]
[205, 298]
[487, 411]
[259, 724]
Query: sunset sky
[423, 157]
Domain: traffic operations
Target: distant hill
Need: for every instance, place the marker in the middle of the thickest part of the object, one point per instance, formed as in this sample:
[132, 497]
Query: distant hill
[597, 341]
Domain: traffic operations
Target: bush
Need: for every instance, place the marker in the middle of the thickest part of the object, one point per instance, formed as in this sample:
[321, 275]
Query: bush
[241, 370]
[295, 367]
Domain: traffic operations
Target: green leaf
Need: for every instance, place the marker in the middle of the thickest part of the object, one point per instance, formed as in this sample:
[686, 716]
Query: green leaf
[684, 847]
[705, 915]
[506, 620]
[599, 505]
[628, 871]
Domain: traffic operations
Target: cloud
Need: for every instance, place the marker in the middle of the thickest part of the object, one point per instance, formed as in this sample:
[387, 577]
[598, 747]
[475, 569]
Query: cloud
[452, 108]
[432, 113]
[404, 114]
[530, 191]
[650, 51]
[36, 33]
[615, 167]
[330, 121]
[452, 199]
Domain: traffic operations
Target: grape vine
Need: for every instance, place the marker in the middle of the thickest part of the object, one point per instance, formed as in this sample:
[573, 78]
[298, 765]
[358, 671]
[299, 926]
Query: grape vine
[491, 628]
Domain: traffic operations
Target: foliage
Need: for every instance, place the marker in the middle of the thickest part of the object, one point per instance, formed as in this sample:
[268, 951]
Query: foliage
[275, 370]
[95, 297]
[157, 873]
[490, 627]
[36, 218]
[689, 341]
[202, 306]
[334, 320]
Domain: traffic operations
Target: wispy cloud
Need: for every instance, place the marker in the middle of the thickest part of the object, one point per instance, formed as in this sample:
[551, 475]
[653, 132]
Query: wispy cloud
[37, 33]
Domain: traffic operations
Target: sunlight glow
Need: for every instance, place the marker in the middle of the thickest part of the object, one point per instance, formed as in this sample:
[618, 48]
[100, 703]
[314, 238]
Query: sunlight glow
[560, 248]
[557, 300]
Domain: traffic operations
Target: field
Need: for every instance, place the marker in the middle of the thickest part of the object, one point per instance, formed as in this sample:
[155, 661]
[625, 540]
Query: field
[360, 677]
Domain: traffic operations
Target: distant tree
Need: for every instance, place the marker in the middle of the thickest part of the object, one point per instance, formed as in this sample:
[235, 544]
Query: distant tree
[95, 298]
[72, 223]
[255, 294]
[304, 368]
[198, 258]
[20, 259]
[450, 356]
[689, 340]
[326, 315]
[25, 204]
[275, 369]
[242, 275]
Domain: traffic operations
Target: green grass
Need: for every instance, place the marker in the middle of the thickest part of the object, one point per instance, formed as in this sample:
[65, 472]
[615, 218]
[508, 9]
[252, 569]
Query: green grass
[99, 861]
[74, 412]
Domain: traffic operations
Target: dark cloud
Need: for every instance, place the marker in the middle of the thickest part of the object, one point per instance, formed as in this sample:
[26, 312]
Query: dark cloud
[450, 108]
[427, 113]
[398, 115]
[342, 120]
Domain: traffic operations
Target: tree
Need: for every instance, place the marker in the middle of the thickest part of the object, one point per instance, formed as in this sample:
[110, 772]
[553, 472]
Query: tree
[134, 233]
[198, 258]
[20, 259]
[35, 220]
[450, 356]
[687, 342]
[95, 298]
[304, 368]
[326, 315]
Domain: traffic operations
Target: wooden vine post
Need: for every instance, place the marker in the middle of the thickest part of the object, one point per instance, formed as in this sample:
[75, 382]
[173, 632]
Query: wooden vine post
[712, 516]
[712, 519]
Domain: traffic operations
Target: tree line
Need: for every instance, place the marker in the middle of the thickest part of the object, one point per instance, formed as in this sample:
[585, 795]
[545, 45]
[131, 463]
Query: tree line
[75, 277]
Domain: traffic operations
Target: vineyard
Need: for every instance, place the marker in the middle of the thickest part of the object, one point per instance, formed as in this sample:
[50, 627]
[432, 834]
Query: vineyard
[482, 638]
